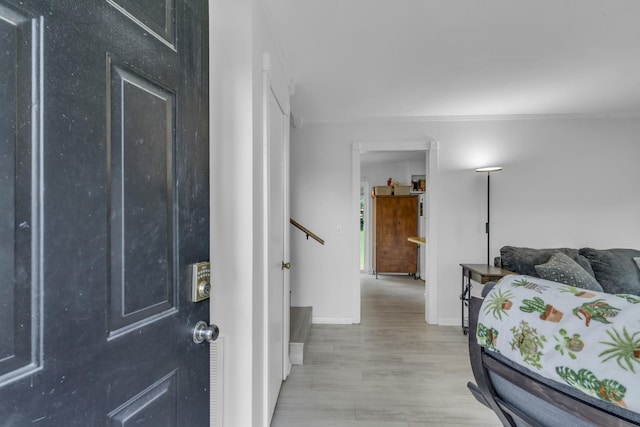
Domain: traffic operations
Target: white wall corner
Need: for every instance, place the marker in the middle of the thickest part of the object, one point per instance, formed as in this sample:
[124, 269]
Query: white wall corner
[266, 61]
[296, 121]
[292, 87]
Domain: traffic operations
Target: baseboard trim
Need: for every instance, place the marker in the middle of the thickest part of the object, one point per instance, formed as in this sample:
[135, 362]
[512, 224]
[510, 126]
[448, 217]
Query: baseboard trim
[449, 322]
[332, 320]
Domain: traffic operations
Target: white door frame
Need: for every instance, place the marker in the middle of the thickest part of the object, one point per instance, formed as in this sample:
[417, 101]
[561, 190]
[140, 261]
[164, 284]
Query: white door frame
[286, 360]
[267, 92]
[430, 254]
[366, 185]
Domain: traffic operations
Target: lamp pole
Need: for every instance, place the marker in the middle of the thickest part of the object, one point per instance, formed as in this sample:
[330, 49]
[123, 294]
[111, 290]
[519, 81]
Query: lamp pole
[488, 170]
[488, 215]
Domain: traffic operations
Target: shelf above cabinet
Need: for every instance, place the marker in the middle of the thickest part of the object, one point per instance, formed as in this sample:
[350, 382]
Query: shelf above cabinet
[418, 184]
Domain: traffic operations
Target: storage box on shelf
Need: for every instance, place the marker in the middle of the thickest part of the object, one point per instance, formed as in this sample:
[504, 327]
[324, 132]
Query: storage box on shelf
[401, 190]
[382, 190]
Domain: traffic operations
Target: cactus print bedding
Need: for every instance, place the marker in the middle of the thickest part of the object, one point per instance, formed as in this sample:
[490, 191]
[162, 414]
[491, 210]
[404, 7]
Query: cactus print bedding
[586, 339]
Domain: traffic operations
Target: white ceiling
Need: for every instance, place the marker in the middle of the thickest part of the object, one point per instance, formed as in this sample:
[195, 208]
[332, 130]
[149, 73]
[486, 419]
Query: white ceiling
[428, 59]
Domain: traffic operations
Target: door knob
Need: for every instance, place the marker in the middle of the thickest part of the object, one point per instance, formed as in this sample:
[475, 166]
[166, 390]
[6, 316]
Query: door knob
[286, 265]
[203, 331]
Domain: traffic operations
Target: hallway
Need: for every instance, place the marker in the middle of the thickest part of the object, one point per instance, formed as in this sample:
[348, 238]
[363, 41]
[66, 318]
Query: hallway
[393, 370]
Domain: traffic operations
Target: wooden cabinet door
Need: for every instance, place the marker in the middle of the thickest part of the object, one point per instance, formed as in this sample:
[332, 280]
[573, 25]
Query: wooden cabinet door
[395, 219]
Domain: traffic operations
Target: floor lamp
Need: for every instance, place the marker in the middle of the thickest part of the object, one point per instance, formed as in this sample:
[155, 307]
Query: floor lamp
[488, 171]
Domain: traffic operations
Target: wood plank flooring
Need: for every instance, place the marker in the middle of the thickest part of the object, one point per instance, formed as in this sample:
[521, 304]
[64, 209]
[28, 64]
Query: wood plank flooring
[392, 370]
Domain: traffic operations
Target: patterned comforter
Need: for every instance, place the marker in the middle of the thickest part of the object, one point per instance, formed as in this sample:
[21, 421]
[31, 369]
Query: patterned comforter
[588, 340]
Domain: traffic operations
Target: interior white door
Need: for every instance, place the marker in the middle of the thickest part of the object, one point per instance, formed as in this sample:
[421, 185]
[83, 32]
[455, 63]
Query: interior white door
[276, 248]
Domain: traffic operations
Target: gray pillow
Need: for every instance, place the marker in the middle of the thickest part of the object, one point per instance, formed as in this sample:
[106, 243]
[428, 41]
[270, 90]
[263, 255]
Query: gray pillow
[637, 260]
[615, 270]
[524, 260]
[562, 269]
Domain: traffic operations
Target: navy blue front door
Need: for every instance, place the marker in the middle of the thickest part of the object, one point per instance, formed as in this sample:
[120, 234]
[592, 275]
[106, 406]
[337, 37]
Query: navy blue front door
[104, 203]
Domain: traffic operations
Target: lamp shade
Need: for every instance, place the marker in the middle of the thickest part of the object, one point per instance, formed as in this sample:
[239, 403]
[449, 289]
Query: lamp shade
[489, 169]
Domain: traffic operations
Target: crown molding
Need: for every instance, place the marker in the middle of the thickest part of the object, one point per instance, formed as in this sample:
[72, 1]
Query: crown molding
[472, 118]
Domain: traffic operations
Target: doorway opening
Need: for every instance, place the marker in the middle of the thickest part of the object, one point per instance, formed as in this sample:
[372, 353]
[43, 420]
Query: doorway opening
[427, 253]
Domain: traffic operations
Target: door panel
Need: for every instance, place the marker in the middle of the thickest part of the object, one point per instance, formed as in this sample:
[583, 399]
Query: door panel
[276, 295]
[105, 206]
[155, 16]
[141, 147]
[19, 91]
[150, 407]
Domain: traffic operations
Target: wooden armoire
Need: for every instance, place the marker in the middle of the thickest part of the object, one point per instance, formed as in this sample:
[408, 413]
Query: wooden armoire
[395, 219]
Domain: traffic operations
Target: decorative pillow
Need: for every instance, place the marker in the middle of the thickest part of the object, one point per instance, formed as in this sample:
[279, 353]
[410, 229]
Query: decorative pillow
[524, 260]
[561, 268]
[637, 260]
[615, 270]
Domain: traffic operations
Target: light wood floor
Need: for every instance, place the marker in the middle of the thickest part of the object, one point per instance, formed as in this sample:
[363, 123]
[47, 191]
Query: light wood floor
[393, 370]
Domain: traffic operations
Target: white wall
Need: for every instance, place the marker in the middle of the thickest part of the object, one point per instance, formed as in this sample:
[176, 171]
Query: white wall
[379, 173]
[231, 231]
[239, 37]
[566, 182]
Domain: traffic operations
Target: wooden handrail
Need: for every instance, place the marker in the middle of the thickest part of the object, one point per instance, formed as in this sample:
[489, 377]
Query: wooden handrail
[306, 231]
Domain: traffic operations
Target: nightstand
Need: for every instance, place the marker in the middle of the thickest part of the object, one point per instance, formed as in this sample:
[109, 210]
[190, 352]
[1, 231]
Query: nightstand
[480, 273]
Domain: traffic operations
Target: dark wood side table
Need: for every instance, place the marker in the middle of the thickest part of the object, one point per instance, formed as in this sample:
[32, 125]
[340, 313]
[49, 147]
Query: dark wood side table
[480, 273]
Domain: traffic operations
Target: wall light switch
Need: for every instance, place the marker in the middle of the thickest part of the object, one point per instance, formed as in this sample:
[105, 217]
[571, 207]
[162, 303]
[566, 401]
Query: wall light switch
[200, 281]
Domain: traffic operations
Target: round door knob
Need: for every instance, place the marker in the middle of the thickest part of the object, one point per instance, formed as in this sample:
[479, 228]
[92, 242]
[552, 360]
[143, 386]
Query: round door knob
[203, 331]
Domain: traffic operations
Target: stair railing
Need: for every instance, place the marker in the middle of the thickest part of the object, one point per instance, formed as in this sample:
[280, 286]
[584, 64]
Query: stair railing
[306, 231]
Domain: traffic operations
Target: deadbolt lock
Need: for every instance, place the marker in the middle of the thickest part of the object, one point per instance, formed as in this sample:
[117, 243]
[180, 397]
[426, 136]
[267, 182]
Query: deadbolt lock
[200, 281]
[204, 289]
